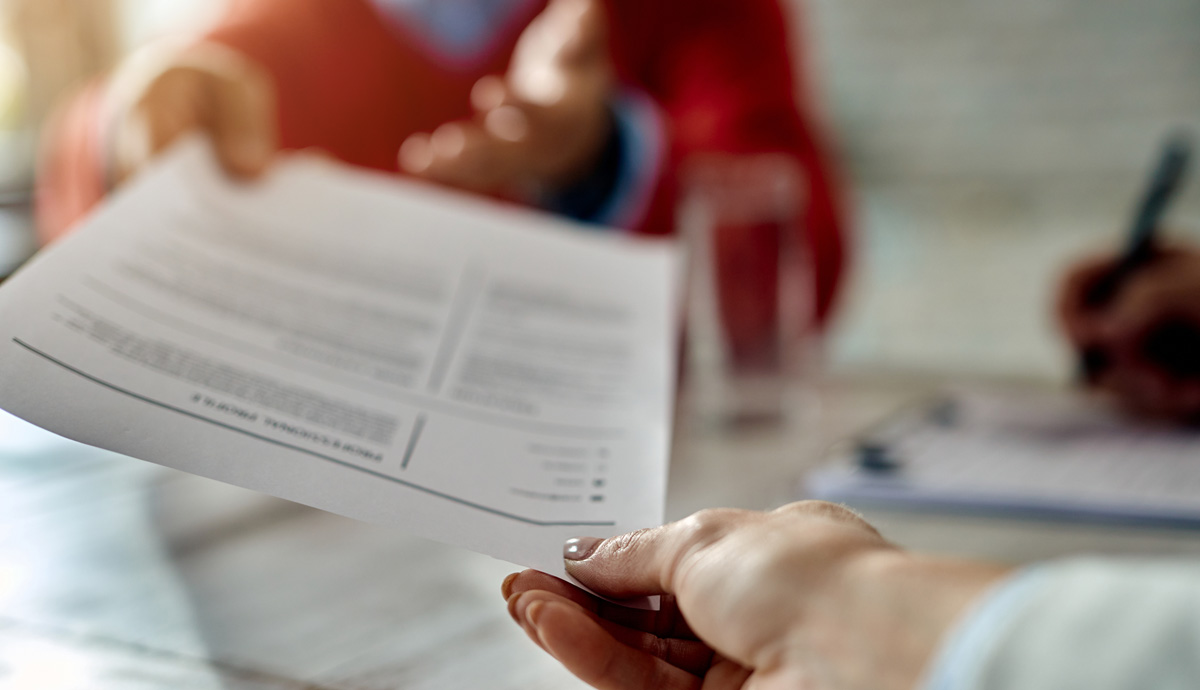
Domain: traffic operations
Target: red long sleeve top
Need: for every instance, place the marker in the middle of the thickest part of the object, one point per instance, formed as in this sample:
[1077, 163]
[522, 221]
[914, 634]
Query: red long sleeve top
[355, 81]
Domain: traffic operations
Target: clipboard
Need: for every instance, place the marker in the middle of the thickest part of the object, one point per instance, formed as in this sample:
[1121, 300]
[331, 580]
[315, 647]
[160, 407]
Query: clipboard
[1020, 453]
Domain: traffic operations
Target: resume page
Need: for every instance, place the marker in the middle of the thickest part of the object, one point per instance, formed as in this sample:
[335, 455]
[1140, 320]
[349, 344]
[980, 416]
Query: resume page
[475, 373]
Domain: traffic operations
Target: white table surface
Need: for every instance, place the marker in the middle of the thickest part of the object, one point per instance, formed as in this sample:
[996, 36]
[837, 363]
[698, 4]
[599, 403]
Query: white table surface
[115, 573]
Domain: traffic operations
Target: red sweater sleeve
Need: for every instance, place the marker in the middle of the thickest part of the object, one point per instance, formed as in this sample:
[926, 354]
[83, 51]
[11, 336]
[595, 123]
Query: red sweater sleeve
[71, 177]
[350, 82]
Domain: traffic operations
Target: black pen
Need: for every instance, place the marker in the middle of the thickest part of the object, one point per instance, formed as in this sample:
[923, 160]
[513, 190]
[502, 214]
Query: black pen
[1142, 245]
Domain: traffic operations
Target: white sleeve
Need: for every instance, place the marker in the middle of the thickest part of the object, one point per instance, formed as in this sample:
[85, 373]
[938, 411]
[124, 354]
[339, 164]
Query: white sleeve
[1086, 624]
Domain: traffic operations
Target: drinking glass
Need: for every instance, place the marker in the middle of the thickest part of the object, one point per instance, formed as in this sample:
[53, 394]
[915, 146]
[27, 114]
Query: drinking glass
[750, 344]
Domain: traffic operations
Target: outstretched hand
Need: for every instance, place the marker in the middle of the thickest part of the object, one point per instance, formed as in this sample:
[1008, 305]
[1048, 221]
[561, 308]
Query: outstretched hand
[542, 125]
[807, 596]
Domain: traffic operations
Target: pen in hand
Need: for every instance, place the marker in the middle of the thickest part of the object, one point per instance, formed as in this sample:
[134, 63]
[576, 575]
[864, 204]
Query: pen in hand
[1176, 347]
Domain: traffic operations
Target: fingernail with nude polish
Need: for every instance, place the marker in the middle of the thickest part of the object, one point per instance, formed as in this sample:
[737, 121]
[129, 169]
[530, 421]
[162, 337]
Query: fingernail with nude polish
[580, 548]
[512, 608]
[533, 612]
[506, 586]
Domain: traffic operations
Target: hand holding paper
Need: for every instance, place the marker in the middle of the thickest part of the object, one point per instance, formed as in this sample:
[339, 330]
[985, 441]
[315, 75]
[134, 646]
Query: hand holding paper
[477, 374]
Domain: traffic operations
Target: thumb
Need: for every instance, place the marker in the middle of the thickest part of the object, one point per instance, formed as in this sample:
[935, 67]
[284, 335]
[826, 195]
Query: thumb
[504, 116]
[243, 123]
[649, 561]
[585, 30]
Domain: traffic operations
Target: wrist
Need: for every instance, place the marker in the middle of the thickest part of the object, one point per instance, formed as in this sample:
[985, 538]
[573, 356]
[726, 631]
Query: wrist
[892, 611]
[625, 171]
[583, 195]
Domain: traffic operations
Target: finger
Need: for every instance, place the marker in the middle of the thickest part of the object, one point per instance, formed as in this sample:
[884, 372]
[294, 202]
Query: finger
[1084, 273]
[1189, 402]
[448, 149]
[489, 93]
[1180, 402]
[564, 52]
[171, 107]
[665, 622]
[464, 155]
[584, 28]
[649, 561]
[784, 678]
[1139, 389]
[1075, 315]
[595, 657]
[506, 587]
[1151, 392]
[146, 133]
[416, 154]
[508, 123]
[548, 47]
[728, 675]
[501, 114]
[243, 122]
[166, 121]
[1142, 303]
[523, 621]
[690, 655]
[458, 154]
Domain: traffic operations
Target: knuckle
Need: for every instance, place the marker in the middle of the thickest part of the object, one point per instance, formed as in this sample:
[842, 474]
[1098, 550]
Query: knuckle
[695, 535]
[624, 544]
[815, 508]
[709, 525]
[659, 647]
[834, 512]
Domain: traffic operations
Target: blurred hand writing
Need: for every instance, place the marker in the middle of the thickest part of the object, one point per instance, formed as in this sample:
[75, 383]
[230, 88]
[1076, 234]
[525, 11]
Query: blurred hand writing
[1147, 336]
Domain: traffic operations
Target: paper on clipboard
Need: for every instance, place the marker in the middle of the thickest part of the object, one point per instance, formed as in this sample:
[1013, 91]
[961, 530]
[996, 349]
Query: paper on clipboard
[1022, 452]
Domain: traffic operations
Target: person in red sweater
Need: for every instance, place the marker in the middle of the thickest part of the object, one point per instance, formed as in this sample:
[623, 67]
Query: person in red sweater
[589, 108]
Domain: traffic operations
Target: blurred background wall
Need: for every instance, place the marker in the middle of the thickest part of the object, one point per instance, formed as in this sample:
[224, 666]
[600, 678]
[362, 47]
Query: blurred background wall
[50, 46]
[986, 143]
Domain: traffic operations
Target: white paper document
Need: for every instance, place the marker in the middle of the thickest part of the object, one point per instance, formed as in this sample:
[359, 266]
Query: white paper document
[1023, 452]
[474, 373]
